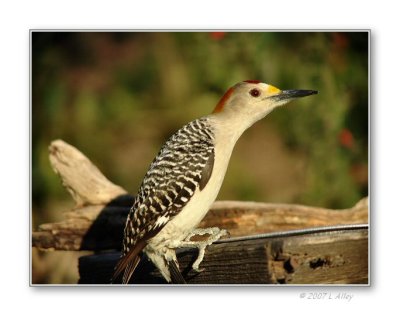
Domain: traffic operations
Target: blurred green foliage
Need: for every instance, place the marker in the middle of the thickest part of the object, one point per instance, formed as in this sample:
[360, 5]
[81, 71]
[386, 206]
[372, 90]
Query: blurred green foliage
[118, 96]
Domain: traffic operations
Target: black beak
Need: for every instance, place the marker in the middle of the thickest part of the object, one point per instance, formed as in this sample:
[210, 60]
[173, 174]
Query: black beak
[292, 94]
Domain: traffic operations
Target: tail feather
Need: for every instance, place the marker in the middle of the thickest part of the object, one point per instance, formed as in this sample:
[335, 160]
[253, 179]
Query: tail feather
[130, 268]
[128, 263]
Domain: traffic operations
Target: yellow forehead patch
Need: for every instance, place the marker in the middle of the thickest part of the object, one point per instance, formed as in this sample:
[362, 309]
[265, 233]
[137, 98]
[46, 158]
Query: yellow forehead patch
[272, 89]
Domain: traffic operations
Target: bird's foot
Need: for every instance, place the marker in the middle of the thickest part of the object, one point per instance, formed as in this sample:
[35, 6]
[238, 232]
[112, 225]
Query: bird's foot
[215, 234]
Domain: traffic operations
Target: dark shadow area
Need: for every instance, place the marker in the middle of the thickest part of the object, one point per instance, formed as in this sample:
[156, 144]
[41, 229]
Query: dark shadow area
[107, 231]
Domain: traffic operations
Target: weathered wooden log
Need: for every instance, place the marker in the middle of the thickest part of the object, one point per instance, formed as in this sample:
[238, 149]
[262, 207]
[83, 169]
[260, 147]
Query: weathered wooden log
[330, 256]
[82, 179]
[100, 227]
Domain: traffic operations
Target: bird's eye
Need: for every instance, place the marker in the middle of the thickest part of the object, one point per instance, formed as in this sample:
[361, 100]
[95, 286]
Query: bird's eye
[255, 93]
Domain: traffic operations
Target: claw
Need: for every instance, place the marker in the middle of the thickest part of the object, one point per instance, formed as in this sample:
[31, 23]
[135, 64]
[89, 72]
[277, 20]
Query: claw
[225, 232]
[198, 270]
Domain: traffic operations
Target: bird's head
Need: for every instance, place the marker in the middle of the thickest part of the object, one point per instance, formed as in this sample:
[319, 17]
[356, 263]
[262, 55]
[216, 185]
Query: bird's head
[252, 100]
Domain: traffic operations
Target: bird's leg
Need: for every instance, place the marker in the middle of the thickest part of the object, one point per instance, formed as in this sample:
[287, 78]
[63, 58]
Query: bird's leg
[215, 234]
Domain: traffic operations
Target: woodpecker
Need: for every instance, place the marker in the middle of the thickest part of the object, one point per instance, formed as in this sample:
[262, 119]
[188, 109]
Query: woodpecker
[185, 178]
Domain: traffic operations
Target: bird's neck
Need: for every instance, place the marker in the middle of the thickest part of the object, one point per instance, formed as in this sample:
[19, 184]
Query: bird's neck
[230, 126]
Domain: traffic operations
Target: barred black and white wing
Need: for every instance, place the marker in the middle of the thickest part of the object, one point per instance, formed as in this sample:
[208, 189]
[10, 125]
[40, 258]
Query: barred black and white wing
[183, 165]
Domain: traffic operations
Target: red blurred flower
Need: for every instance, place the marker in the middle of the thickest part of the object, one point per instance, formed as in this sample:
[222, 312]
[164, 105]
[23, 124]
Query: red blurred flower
[346, 138]
[217, 35]
[340, 40]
